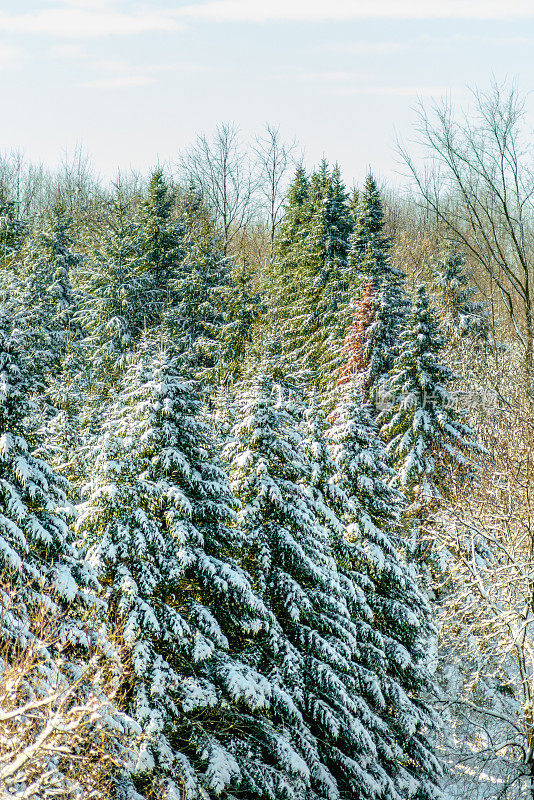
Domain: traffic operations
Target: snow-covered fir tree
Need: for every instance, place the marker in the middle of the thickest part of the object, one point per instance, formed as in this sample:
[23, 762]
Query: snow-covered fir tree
[37, 547]
[381, 340]
[355, 353]
[118, 294]
[280, 477]
[54, 256]
[370, 268]
[425, 434]
[13, 231]
[244, 309]
[46, 586]
[309, 292]
[462, 315]
[160, 526]
[370, 345]
[394, 638]
[162, 236]
[293, 225]
[198, 319]
[368, 245]
[45, 304]
[328, 290]
[41, 293]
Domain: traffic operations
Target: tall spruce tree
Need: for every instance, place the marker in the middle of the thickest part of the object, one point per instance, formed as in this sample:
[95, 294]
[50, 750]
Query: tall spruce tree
[50, 265]
[296, 216]
[200, 315]
[244, 310]
[45, 304]
[462, 314]
[394, 638]
[368, 245]
[424, 431]
[286, 270]
[356, 352]
[57, 661]
[40, 291]
[369, 260]
[281, 478]
[160, 525]
[37, 548]
[119, 299]
[13, 231]
[162, 240]
[381, 340]
[309, 290]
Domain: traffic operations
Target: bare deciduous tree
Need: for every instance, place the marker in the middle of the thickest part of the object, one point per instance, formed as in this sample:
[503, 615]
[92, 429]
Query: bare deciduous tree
[487, 613]
[275, 158]
[479, 181]
[61, 733]
[221, 171]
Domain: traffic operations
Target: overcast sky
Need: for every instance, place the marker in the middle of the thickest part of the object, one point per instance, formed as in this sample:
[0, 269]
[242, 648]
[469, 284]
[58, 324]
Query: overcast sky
[134, 82]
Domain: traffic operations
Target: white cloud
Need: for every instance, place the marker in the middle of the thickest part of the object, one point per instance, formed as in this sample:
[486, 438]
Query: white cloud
[399, 91]
[119, 74]
[89, 19]
[119, 82]
[67, 51]
[322, 10]
[364, 48]
[92, 5]
[426, 41]
[345, 84]
[10, 56]
[331, 76]
[98, 18]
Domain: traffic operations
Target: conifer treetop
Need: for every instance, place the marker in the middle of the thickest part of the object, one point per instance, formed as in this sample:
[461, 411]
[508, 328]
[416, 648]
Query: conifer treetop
[422, 426]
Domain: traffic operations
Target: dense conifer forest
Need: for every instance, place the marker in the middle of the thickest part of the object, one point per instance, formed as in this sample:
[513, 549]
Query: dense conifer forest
[265, 481]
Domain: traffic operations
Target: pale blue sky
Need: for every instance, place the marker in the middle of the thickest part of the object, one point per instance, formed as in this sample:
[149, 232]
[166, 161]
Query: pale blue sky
[133, 82]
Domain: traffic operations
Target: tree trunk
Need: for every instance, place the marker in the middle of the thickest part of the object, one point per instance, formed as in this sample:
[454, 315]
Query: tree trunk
[529, 353]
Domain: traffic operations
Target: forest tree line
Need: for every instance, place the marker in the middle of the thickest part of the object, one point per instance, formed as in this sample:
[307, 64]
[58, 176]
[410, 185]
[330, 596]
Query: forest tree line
[265, 448]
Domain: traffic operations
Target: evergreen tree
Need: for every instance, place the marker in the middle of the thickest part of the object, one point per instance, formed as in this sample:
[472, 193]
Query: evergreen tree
[368, 245]
[325, 296]
[309, 289]
[162, 237]
[462, 314]
[244, 309]
[289, 527]
[356, 350]
[37, 549]
[354, 201]
[370, 268]
[159, 520]
[44, 302]
[370, 346]
[118, 293]
[330, 221]
[286, 270]
[390, 307]
[40, 292]
[423, 430]
[296, 216]
[50, 265]
[198, 320]
[61, 660]
[394, 638]
[13, 230]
